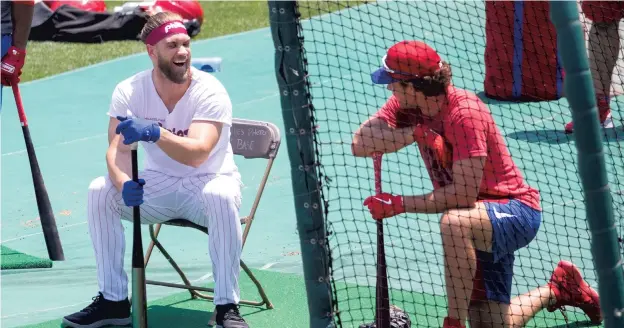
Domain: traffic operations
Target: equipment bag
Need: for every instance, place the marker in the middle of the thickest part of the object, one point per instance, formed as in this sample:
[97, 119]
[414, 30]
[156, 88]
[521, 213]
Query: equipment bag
[521, 59]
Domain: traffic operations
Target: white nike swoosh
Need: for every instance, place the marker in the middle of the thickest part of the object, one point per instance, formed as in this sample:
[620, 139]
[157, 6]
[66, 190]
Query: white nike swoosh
[388, 202]
[502, 215]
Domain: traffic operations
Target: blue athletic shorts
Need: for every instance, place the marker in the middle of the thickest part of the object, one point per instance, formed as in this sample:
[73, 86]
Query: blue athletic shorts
[514, 226]
[7, 40]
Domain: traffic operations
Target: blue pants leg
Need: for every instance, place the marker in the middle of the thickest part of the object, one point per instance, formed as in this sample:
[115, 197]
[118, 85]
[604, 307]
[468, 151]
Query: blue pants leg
[7, 40]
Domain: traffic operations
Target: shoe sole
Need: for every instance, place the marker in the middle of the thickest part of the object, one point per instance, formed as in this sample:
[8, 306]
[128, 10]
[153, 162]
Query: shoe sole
[102, 323]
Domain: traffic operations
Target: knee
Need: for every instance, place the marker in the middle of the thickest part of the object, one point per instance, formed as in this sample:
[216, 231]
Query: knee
[97, 184]
[452, 225]
[99, 193]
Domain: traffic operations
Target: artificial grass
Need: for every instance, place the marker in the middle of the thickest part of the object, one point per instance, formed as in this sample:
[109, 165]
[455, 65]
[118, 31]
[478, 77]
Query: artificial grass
[220, 18]
[11, 259]
[287, 293]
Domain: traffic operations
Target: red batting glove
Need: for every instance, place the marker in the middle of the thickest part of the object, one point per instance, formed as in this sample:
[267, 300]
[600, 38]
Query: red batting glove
[425, 136]
[384, 205]
[12, 64]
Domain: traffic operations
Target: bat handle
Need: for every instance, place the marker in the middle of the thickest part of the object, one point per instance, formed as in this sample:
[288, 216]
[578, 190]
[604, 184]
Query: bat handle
[18, 102]
[382, 315]
[377, 156]
[135, 166]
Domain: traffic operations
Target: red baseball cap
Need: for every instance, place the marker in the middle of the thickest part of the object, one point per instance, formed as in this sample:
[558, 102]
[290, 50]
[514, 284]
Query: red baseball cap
[407, 60]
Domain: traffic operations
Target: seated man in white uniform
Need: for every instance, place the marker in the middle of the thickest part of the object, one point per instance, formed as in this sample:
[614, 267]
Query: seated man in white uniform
[181, 116]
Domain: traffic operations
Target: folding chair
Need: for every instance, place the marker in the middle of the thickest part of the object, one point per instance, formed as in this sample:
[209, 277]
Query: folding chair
[249, 139]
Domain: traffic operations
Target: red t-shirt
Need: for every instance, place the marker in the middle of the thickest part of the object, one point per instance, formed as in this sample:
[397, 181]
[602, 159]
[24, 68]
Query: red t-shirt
[467, 127]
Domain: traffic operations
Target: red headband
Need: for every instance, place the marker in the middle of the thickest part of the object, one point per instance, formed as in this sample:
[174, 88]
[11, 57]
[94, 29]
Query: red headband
[165, 30]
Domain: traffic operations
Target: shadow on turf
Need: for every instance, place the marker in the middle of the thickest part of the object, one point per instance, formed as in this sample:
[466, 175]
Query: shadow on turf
[160, 316]
[550, 136]
[559, 137]
[167, 316]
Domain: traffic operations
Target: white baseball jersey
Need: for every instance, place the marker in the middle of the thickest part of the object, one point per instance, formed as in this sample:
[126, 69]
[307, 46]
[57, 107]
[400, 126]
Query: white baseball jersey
[209, 195]
[205, 99]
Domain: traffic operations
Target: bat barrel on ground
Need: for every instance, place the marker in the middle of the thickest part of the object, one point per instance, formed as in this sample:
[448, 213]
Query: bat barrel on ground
[46, 215]
[139, 299]
[382, 313]
[207, 64]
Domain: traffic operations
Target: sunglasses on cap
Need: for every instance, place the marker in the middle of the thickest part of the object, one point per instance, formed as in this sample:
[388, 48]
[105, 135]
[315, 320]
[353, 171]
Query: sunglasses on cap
[392, 71]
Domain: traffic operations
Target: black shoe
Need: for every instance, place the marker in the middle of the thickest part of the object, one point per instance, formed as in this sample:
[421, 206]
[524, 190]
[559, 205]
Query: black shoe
[229, 317]
[100, 313]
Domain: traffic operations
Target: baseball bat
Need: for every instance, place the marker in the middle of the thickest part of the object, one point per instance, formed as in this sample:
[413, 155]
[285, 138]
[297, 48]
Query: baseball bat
[139, 299]
[46, 215]
[382, 313]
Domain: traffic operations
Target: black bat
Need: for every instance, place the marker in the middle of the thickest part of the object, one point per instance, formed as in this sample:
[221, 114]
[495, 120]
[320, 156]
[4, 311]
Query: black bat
[382, 313]
[139, 300]
[46, 215]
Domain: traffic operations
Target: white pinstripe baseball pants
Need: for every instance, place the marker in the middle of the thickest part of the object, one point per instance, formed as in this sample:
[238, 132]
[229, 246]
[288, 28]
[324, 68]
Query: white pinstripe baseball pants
[209, 201]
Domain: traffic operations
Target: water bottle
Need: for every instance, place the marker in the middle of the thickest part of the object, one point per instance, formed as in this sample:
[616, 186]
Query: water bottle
[207, 64]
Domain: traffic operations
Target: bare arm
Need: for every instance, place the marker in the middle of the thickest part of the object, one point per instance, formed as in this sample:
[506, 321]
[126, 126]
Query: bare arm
[22, 20]
[375, 135]
[194, 149]
[462, 193]
[118, 158]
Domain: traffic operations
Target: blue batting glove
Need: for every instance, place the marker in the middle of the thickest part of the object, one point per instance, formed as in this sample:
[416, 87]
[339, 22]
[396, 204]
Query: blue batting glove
[132, 192]
[137, 129]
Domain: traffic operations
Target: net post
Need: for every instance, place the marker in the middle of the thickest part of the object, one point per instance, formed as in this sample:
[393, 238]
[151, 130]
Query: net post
[579, 91]
[297, 111]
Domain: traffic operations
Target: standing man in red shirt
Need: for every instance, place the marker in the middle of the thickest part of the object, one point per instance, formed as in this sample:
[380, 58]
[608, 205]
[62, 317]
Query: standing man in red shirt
[604, 49]
[488, 210]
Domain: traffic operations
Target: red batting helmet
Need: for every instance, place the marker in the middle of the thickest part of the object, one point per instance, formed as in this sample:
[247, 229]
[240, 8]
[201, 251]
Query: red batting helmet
[188, 9]
[88, 5]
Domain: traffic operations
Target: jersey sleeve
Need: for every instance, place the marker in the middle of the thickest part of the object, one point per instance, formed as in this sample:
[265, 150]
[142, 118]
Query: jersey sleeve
[120, 103]
[466, 131]
[388, 112]
[396, 117]
[216, 107]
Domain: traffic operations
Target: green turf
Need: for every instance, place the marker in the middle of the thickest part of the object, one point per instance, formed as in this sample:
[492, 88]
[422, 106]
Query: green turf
[426, 310]
[11, 259]
[220, 18]
[287, 294]
[285, 291]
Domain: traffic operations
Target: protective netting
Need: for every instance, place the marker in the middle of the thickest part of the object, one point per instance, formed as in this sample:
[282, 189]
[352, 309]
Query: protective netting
[506, 54]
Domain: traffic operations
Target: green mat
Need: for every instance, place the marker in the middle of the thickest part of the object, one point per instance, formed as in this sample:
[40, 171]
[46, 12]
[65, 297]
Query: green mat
[287, 293]
[11, 259]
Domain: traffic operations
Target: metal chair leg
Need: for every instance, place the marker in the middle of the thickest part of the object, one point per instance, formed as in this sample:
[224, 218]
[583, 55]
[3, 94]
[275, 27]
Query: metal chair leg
[153, 235]
[171, 261]
[194, 290]
[265, 299]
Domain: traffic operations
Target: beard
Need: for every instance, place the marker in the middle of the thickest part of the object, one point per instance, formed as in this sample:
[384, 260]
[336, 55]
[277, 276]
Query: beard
[174, 73]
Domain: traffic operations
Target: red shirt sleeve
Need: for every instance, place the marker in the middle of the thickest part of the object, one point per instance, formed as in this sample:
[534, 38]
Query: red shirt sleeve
[396, 116]
[466, 131]
[388, 112]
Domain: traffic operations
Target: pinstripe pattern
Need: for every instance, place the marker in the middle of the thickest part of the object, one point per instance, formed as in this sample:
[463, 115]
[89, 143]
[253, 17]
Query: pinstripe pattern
[208, 200]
